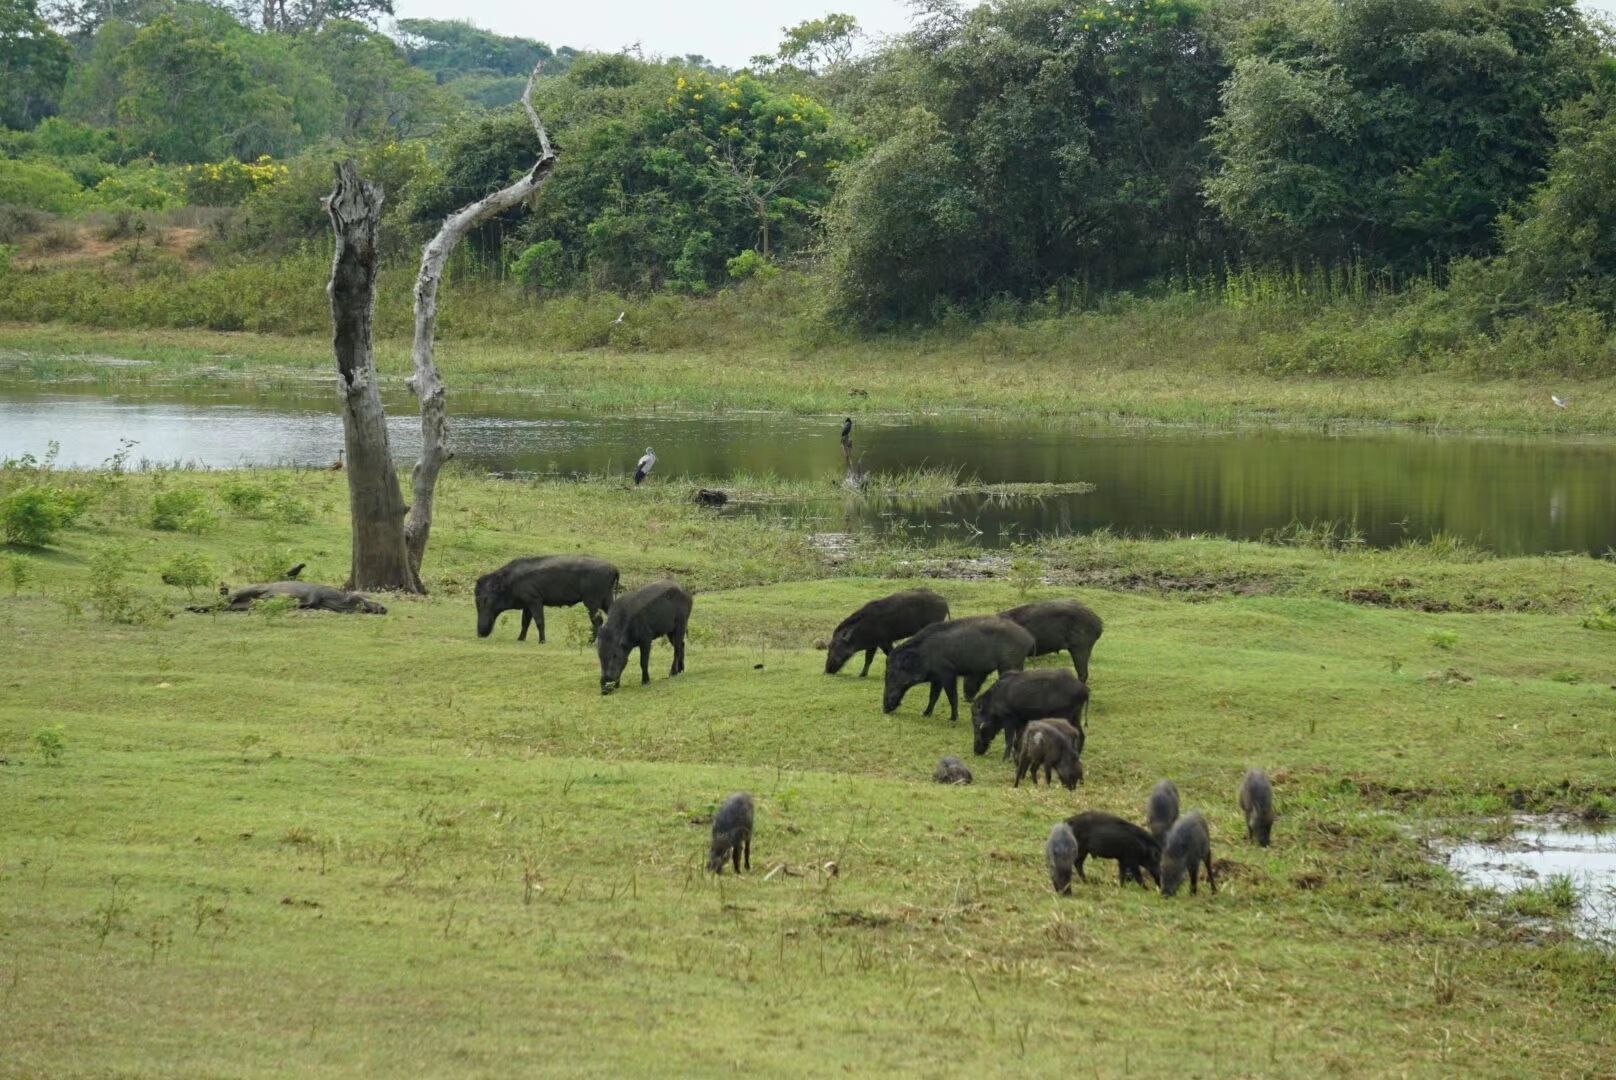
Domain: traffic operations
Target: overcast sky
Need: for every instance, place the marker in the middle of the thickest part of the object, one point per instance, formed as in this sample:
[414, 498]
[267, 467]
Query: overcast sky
[728, 31]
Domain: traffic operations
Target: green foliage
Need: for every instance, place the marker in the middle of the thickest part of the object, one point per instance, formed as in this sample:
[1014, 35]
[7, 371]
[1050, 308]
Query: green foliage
[539, 265]
[1442, 639]
[1601, 616]
[1398, 129]
[108, 590]
[37, 184]
[17, 571]
[817, 45]
[34, 62]
[1553, 897]
[32, 515]
[51, 743]
[1028, 143]
[670, 173]
[750, 263]
[188, 570]
[230, 182]
[182, 509]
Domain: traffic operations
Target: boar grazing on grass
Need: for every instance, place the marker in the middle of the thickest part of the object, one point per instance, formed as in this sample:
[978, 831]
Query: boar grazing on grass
[882, 623]
[1060, 624]
[1106, 836]
[1187, 849]
[951, 770]
[732, 833]
[309, 597]
[945, 652]
[661, 609]
[1020, 696]
[1060, 853]
[1048, 746]
[1257, 803]
[533, 584]
[1161, 809]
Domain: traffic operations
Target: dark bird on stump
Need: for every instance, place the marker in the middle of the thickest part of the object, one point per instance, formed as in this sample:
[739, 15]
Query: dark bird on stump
[294, 571]
[642, 468]
[847, 430]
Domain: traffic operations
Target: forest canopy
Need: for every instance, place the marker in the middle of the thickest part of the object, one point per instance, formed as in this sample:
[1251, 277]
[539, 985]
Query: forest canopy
[1014, 152]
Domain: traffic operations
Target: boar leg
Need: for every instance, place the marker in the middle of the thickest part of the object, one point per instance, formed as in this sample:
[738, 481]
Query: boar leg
[1210, 880]
[538, 619]
[936, 692]
[869, 658]
[677, 639]
[594, 623]
[527, 617]
[645, 663]
[953, 701]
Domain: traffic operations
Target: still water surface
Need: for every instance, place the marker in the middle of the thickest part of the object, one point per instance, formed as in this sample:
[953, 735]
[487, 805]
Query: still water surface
[1514, 495]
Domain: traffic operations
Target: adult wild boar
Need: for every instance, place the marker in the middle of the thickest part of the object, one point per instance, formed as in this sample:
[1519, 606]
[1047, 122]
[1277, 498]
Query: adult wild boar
[945, 652]
[1060, 624]
[533, 584]
[1106, 836]
[661, 609]
[309, 597]
[1020, 696]
[882, 623]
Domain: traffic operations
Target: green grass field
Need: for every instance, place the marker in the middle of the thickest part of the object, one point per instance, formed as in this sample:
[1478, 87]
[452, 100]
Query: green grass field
[323, 845]
[1164, 365]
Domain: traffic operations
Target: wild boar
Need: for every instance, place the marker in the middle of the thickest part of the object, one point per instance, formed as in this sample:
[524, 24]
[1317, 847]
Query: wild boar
[1257, 803]
[1187, 848]
[1161, 809]
[1106, 836]
[1046, 746]
[1060, 624]
[661, 609]
[951, 770]
[1020, 696]
[882, 623]
[1060, 851]
[732, 833]
[945, 652]
[542, 581]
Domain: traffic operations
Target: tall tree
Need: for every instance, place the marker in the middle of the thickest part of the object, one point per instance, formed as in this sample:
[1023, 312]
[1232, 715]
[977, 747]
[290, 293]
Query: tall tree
[376, 507]
[1395, 130]
[33, 64]
[426, 383]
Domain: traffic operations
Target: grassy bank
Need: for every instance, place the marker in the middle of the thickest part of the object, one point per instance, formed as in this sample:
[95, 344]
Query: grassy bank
[1152, 366]
[379, 844]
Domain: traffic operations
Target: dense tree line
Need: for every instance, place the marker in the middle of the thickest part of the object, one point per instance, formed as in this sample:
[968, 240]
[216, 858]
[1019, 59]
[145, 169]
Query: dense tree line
[1021, 150]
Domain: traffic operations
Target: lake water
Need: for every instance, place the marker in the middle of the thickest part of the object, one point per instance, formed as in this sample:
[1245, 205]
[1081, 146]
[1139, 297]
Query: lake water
[1541, 848]
[1513, 495]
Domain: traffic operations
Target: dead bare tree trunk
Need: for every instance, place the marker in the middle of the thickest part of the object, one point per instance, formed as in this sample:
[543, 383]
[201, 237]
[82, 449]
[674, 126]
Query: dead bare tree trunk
[425, 383]
[380, 557]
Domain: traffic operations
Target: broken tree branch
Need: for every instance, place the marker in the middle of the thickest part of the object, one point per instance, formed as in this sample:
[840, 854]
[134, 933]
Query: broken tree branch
[426, 383]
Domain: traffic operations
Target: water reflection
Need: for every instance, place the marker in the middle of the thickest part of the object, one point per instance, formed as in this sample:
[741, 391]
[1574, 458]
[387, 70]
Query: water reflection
[1512, 495]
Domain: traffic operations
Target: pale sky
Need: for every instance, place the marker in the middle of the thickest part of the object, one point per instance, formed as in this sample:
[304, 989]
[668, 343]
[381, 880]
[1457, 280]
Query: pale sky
[730, 32]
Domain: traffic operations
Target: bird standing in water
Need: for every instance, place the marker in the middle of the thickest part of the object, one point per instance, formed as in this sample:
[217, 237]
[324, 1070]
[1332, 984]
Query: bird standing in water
[642, 468]
[847, 441]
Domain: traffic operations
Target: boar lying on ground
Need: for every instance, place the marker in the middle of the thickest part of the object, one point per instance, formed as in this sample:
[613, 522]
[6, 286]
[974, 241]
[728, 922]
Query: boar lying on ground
[661, 609]
[533, 584]
[945, 652]
[951, 770]
[882, 623]
[1060, 624]
[309, 597]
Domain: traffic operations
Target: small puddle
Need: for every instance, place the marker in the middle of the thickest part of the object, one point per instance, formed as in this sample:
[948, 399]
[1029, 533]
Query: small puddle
[1540, 849]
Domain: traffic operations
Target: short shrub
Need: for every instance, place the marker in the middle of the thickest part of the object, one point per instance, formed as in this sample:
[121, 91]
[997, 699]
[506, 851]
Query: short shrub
[182, 510]
[187, 570]
[34, 514]
[109, 593]
[244, 496]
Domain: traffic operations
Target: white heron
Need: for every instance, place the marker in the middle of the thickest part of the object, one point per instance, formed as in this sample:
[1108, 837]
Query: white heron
[1559, 402]
[642, 467]
[621, 315]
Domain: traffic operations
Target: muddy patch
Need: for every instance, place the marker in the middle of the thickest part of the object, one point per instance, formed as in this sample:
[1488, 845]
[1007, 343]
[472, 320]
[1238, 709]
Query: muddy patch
[1545, 868]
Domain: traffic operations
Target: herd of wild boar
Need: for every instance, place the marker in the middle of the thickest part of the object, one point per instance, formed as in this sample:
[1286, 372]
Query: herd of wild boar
[1040, 712]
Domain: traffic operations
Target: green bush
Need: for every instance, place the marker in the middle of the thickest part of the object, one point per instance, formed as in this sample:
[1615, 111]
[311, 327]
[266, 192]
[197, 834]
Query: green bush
[244, 496]
[38, 185]
[182, 510]
[187, 570]
[33, 515]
